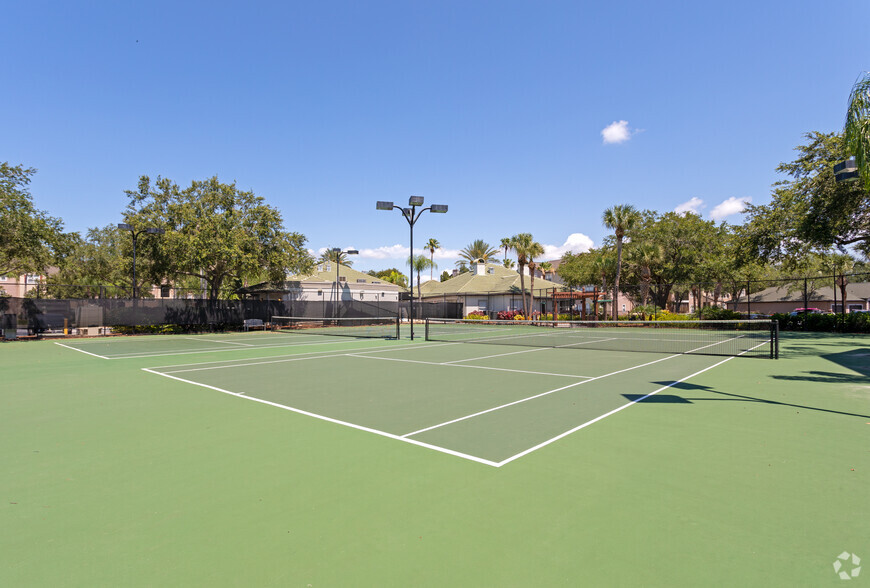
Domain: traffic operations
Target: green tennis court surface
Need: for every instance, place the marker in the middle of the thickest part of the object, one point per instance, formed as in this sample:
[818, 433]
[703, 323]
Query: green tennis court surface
[297, 459]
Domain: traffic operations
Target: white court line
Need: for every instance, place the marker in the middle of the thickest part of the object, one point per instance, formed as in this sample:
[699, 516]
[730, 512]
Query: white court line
[219, 341]
[283, 359]
[615, 410]
[439, 425]
[475, 367]
[332, 420]
[497, 355]
[339, 352]
[81, 350]
[146, 354]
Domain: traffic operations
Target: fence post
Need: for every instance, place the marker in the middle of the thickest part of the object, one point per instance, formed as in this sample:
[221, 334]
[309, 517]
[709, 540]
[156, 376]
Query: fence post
[748, 300]
[806, 304]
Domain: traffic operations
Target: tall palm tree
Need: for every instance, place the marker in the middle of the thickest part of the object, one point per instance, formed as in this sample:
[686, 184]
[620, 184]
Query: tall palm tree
[857, 128]
[535, 250]
[477, 249]
[432, 244]
[339, 257]
[546, 267]
[621, 218]
[418, 263]
[506, 244]
[527, 249]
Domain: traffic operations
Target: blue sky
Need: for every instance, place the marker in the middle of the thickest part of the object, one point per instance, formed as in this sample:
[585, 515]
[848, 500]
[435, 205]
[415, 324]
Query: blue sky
[520, 116]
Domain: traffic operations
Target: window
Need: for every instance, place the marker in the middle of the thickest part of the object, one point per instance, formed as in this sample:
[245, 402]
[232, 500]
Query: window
[360, 281]
[360, 295]
[3, 278]
[342, 279]
[855, 307]
[481, 304]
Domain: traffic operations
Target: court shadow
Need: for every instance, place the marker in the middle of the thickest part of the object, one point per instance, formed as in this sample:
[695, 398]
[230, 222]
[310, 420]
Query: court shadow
[658, 399]
[728, 397]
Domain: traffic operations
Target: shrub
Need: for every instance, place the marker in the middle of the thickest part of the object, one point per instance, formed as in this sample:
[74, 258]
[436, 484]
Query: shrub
[715, 313]
[476, 316]
[506, 315]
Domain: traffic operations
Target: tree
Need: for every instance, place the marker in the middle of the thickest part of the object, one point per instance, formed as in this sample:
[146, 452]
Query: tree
[432, 244]
[546, 267]
[30, 240]
[509, 263]
[506, 245]
[419, 263]
[811, 211]
[477, 249]
[445, 276]
[621, 219]
[331, 256]
[857, 128]
[103, 258]
[526, 248]
[214, 232]
[391, 275]
[596, 266]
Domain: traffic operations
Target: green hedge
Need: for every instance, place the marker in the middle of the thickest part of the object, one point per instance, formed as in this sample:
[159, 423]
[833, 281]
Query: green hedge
[850, 323]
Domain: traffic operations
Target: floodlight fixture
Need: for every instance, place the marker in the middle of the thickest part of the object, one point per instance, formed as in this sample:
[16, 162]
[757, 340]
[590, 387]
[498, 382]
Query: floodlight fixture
[412, 215]
[154, 231]
[125, 226]
[846, 170]
[336, 249]
[352, 252]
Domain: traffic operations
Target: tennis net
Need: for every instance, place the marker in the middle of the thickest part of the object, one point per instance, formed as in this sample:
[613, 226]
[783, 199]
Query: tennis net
[379, 328]
[754, 338]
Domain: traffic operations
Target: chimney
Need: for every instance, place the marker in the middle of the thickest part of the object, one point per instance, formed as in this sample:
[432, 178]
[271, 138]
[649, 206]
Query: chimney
[480, 268]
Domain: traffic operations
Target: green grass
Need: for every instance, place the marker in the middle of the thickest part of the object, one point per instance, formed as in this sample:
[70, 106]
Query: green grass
[753, 473]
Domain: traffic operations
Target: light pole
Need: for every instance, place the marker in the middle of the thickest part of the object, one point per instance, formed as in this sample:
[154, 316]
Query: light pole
[412, 215]
[336, 251]
[135, 233]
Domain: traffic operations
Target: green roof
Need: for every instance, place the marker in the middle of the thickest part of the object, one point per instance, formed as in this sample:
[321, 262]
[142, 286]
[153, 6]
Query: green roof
[497, 279]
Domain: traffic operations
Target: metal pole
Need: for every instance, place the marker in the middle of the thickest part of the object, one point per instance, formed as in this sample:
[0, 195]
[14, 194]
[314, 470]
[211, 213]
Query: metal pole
[335, 303]
[134, 264]
[411, 221]
[748, 307]
[806, 304]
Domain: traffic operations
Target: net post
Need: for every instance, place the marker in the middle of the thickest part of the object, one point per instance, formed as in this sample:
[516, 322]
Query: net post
[398, 328]
[426, 330]
[775, 329]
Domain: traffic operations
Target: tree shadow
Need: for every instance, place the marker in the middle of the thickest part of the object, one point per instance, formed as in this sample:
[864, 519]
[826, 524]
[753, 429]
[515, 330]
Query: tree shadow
[731, 397]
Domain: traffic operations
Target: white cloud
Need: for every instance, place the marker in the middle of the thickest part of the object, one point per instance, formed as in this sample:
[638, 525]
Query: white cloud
[385, 252]
[616, 132]
[733, 205]
[575, 243]
[694, 205]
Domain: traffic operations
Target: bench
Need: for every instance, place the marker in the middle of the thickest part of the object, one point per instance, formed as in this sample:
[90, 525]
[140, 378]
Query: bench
[253, 323]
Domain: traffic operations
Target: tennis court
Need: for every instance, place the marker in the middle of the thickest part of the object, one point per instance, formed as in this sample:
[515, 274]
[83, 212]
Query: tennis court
[296, 458]
[462, 391]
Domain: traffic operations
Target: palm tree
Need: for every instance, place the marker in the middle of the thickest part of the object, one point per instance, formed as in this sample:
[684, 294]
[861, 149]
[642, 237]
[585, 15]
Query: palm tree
[509, 263]
[526, 248]
[478, 249]
[857, 128]
[535, 250]
[339, 257]
[432, 244]
[621, 218]
[546, 267]
[506, 244]
[418, 264]
[642, 258]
